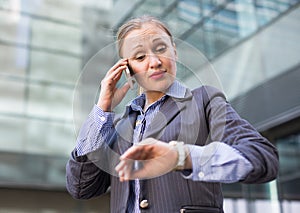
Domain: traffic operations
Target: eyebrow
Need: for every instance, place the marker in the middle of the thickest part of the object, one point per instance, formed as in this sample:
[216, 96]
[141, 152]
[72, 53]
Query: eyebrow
[157, 39]
[137, 46]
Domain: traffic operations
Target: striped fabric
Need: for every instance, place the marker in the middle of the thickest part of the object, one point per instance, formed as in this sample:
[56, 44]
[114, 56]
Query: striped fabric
[142, 122]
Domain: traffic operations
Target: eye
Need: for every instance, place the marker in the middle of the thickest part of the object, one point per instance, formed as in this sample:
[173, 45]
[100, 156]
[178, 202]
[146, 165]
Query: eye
[161, 48]
[140, 57]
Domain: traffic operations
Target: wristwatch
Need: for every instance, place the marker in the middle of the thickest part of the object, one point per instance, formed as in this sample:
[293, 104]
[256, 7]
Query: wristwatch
[179, 146]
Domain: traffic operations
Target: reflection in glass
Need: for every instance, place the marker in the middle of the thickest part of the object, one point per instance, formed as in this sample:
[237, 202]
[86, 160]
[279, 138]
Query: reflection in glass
[54, 67]
[50, 101]
[56, 36]
[12, 96]
[289, 151]
[14, 27]
[150, 7]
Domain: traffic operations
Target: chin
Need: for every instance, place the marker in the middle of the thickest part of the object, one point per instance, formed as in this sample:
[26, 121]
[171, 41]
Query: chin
[159, 86]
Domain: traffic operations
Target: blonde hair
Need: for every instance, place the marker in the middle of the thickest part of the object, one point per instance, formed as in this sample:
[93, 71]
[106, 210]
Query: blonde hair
[137, 23]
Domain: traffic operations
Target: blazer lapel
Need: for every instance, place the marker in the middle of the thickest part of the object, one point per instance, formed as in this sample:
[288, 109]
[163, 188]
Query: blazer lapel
[168, 111]
[125, 130]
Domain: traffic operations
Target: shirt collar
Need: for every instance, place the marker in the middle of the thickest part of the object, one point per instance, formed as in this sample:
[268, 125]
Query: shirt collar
[176, 90]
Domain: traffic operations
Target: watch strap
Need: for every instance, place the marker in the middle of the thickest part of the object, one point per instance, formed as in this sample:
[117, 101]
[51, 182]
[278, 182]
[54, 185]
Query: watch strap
[179, 146]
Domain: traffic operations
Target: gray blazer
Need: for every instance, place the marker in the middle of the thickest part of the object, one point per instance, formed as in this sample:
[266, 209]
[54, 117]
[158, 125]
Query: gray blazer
[201, 117]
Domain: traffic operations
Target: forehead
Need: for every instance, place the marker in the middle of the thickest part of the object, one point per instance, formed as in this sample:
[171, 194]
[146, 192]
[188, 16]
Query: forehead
[148, 32]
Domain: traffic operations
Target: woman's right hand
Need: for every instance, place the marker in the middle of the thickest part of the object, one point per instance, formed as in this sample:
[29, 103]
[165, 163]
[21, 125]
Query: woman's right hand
[110, 96]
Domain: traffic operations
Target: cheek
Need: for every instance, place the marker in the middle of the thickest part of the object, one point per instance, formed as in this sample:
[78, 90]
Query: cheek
[174, 66]
[140, 72]
[171, 64]
[138, 67]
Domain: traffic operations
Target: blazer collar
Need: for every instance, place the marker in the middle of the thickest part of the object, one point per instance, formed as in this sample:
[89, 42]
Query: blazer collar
[177, 91]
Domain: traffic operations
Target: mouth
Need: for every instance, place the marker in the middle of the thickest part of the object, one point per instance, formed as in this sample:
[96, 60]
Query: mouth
[157, 74]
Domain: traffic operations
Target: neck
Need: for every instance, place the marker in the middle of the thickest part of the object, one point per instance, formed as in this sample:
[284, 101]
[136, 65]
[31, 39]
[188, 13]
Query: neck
[151, 97]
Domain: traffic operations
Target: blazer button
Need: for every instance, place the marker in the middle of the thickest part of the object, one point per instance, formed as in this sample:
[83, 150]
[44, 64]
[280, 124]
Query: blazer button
[144, 204]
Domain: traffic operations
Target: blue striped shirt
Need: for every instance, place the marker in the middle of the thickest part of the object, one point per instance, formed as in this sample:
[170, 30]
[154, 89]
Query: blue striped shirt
[142, 122]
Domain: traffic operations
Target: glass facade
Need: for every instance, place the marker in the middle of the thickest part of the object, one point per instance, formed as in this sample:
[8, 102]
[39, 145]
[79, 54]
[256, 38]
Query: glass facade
[289, 150]
[45, 45]
[217, 24]
[41, 52]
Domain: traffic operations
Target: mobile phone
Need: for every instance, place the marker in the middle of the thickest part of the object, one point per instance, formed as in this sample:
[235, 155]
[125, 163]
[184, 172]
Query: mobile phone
[129, 77]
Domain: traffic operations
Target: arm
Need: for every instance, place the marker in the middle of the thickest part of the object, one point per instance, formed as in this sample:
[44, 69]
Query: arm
[95, 131]
[85, 178]
[215, 162]
[89, 167]
[227, 126]
[241, 155]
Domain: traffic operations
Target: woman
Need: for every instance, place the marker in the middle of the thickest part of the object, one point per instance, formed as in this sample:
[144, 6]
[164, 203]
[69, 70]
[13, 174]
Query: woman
[172, 147]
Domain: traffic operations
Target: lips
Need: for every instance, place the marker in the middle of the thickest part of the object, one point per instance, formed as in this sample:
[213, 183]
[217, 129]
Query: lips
[157, 74]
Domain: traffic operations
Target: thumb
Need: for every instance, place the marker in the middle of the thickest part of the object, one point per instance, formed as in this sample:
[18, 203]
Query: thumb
[119, 94]
[124, 89]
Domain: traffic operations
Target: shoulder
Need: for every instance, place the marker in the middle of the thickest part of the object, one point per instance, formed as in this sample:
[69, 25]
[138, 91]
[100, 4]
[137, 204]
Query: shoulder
[208, 92]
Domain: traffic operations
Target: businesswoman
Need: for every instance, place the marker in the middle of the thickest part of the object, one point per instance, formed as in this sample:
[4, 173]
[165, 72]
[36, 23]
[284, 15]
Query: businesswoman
[172, 147]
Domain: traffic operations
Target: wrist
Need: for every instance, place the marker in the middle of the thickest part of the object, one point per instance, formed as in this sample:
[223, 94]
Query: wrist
[181, 154]
[106, 107]
[188, 160]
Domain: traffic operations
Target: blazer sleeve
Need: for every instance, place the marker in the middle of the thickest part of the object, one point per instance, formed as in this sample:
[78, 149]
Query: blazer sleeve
[84, 179]
[86, 175]
[227, 126]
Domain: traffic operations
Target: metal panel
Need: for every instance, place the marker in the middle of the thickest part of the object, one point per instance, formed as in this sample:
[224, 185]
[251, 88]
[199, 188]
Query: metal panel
[272, 103]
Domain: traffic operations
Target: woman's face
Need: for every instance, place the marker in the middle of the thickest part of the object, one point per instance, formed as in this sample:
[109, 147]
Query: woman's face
[151, 56]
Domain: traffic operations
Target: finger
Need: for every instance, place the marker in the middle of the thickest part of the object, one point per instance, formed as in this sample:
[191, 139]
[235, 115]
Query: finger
[140, 173]
[128, 171]
[110, 80]
[140, 152]
[121, 175]
[151, 169]
[148, 141]
[124, 89]
[132, 153]
[121, 62]
[124, 164]
[121, 166]
[121, 92]
[125, 171]
[119, 66]
[116, 72]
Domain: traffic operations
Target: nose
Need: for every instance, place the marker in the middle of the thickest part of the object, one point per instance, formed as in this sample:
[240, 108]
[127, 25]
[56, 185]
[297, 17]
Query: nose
[154, 61]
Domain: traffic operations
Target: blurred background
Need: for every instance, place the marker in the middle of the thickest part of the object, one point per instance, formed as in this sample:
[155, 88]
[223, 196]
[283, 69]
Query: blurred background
[253, 45]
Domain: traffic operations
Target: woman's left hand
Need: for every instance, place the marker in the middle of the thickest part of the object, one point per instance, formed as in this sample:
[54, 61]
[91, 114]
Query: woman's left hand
[155, 157]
